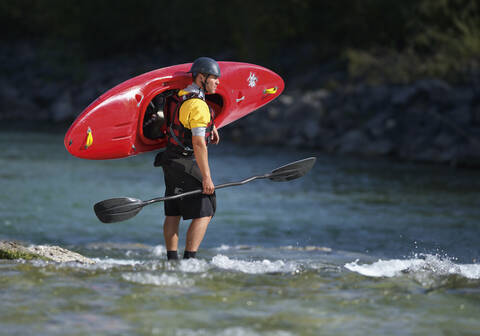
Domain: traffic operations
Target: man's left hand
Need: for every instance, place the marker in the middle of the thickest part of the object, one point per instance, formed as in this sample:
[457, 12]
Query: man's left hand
[215, 137]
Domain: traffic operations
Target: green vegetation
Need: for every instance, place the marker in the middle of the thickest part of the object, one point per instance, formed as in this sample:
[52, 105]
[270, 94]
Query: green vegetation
[13, 251]
[13, 255]
[377, 40]
[443, 41]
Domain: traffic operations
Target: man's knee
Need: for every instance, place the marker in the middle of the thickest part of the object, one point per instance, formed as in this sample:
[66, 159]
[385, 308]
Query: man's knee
[171, 221]
[202, 220]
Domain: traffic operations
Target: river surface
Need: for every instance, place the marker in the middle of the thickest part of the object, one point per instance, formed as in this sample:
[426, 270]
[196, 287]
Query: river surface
[356, 247]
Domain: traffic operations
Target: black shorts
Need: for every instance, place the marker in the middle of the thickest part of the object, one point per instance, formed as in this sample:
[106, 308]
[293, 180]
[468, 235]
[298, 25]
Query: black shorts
[183, 175]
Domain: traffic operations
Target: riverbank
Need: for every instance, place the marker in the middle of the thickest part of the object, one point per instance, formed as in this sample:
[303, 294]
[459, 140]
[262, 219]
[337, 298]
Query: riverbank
[426, 121]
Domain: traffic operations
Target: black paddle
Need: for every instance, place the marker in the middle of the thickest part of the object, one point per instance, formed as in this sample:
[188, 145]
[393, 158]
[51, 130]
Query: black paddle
[120, 209]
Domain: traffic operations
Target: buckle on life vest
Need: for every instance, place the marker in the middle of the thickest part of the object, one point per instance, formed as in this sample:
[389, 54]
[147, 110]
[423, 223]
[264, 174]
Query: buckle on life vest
[187, 149]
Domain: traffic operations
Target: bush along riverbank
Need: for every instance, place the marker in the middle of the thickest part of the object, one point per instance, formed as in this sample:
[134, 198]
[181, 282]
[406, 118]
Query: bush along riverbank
[427, 121]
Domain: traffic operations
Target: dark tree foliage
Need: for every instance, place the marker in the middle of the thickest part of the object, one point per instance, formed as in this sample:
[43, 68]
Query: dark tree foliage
[288, 33]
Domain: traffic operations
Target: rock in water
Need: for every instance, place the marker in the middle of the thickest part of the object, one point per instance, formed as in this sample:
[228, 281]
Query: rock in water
[14, 250]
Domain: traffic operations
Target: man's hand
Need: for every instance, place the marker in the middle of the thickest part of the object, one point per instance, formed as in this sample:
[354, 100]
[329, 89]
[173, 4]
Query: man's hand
[215, 137]
[208, 187]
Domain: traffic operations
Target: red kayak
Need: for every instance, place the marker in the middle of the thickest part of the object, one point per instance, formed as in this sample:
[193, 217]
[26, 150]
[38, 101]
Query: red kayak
[129, 119]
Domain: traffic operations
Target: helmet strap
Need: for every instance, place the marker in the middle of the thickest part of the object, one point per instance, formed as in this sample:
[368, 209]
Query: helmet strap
[204, 84]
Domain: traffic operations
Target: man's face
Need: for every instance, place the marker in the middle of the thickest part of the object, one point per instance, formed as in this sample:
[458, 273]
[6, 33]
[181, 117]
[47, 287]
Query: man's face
[212, 83]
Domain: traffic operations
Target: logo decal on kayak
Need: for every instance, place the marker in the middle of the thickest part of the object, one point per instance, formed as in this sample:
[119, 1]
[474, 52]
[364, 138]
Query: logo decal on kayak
[252, 80]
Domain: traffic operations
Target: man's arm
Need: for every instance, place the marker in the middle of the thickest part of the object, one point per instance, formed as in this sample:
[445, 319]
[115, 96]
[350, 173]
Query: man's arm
[201, 155]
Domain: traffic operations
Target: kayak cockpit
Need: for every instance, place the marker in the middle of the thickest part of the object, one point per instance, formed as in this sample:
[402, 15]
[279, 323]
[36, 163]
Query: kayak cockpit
[161, 107]
[154, 120]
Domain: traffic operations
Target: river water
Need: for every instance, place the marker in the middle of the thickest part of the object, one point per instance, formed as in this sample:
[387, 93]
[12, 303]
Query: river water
[356, 247]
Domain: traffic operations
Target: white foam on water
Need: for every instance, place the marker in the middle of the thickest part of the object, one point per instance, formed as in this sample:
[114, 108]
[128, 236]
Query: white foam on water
[100, 264]
[383, 268]
[232, 331]
[254, 267]
[471, 271]
[165, 280]
[159, 251]
[223, 247]
[193, 266]
[429, 263]
[109, 263]
[117, 262]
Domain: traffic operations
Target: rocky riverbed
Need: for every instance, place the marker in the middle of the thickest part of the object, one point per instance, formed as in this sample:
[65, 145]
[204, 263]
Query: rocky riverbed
[15, 250]
[427, 121]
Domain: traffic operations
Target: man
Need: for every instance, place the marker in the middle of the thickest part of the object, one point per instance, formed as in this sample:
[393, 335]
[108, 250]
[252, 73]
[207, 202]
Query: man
[185, 161]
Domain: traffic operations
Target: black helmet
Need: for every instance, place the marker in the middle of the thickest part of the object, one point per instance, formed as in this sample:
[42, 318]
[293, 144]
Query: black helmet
[205, 65]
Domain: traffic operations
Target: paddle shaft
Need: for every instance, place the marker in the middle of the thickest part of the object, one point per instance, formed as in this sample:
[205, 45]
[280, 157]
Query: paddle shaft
[119, 209]
[199, 191]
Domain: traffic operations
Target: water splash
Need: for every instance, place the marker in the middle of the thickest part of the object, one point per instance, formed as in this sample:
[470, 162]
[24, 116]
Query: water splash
[110, 263]
[423, 263]
[159, 251]
[254, 267]
[233, 331]
[223, 247]
[164, 280]
[193, 266]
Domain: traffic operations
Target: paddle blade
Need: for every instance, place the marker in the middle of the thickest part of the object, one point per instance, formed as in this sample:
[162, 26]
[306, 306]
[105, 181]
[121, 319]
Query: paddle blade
[292, 170]
[117, 209]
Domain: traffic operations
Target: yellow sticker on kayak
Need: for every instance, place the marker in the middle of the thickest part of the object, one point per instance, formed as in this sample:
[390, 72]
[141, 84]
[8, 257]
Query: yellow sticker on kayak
[89, 138]
[271, 90]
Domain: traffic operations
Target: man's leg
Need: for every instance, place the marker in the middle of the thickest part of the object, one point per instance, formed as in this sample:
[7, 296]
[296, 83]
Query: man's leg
[170, 233]
[195, 235]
